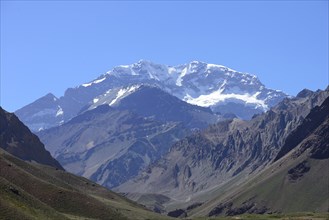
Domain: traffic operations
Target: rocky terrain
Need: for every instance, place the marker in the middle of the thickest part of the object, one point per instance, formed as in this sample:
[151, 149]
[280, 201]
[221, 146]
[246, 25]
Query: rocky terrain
[296, 181]
[233, 150]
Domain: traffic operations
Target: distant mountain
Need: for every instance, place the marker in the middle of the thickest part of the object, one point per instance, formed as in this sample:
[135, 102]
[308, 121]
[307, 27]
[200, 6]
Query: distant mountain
[297, 181]
[208, 85]
[229, 152]
[110, 146]
[18, 140]
[42, 113]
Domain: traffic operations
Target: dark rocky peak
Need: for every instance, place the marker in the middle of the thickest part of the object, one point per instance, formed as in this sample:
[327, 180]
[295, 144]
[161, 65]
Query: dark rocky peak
[304, 93]
[313, 120]
[18, 140]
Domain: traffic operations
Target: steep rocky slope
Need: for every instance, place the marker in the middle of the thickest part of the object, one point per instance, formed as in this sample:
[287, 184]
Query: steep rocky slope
[231, 150]
[297, 181]
[18, 140]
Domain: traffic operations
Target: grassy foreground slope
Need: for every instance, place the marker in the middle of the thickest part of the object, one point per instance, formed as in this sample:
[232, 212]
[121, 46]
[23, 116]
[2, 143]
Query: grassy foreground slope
[291, 216]
[34, 191]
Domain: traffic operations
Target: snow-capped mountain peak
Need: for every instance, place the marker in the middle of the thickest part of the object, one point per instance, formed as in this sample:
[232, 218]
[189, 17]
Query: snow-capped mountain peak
[221, 88]
[197, 82]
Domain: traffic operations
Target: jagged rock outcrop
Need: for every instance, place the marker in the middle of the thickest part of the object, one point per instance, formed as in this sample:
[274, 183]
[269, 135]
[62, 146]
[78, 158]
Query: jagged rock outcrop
[296, 181]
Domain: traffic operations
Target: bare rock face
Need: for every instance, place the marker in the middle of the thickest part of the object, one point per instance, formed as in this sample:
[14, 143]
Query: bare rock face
[178, 213]
[298, 173]
[316, 117]
[18, 140]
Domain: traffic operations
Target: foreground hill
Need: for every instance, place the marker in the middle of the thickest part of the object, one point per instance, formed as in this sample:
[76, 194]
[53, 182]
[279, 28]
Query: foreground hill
[35, 191]
[18, 140]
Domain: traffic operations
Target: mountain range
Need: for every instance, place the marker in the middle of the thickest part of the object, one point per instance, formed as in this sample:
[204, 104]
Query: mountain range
[191, 140]
[207, 85]
[231, 152]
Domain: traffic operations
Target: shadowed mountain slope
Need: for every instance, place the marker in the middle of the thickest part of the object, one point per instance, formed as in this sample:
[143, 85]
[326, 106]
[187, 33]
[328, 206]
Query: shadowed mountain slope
[151, 101]
[18, 140]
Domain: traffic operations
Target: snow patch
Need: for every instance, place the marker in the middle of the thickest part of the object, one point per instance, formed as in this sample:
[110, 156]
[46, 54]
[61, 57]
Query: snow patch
[94, 82]
[133, 72]
[218, 96]
[171, 70]
[221, 67]
[59, 111]
[180, 78]
[99, 80]
[123, 92]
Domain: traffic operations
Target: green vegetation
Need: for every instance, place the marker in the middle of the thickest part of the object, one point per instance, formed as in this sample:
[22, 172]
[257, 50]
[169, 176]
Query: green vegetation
[34, 191]
[290, 216]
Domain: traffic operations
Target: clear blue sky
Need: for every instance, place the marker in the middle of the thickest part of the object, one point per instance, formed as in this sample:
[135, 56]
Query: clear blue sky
[48, 46]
